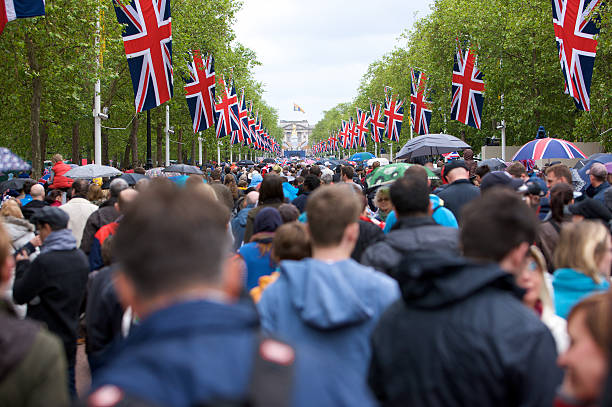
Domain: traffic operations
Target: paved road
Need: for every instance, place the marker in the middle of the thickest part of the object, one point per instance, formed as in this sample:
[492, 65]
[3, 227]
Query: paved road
[83, 377]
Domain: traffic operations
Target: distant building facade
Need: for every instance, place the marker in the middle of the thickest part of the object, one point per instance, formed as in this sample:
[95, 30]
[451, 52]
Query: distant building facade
[296, 134]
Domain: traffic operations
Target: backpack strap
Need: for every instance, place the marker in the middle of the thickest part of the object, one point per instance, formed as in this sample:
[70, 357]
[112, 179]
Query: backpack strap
[273, 370]
[555, 225]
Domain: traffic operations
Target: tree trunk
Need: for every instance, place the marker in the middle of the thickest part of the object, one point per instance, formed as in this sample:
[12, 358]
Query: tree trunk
[134, 141]
[126, 156]
[160, 142]
[105, 160]
[193, 152]
[76, 157]
[34, 108]
[180, 146]
[44, 136]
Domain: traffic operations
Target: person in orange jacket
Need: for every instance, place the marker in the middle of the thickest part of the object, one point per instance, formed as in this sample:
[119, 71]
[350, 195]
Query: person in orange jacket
[57, 179]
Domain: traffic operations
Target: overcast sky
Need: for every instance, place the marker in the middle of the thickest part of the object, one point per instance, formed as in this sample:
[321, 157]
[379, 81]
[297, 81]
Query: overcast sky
[315, 52]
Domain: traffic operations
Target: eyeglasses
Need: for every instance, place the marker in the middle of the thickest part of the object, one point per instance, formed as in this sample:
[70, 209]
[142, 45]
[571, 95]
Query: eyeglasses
[382, 199]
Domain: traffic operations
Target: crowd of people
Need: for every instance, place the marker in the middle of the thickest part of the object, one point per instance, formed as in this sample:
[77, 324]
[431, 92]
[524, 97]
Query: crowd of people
[289, 284]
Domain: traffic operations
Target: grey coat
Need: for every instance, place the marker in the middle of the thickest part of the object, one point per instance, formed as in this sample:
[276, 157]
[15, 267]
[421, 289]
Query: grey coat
[409, 235]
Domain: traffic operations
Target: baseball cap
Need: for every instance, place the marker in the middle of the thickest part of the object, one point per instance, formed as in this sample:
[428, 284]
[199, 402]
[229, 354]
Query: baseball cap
[500, 179]
[55, 217]
[591, 209]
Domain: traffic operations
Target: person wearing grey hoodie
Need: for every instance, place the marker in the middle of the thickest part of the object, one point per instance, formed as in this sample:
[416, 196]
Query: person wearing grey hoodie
[330, 302]
[53, 284]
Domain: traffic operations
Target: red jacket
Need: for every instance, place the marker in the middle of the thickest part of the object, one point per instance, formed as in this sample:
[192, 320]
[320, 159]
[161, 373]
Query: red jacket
[59, 180]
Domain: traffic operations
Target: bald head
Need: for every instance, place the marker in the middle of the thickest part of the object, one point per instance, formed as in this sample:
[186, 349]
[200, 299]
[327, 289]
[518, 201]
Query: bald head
[125, 198]
[252, 198]
[38, 192]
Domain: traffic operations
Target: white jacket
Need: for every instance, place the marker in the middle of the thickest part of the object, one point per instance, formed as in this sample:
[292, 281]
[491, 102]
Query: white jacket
[78, 209]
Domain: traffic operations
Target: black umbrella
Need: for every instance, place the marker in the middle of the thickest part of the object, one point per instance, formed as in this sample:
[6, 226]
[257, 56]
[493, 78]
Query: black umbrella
[132, 179]
[15, 183]
[430, 144]
[245, 162]
[494, 164]
[269, 161]
[183, 169]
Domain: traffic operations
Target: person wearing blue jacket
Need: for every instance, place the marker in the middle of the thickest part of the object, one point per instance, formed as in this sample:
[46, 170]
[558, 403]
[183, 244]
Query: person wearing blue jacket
[583, 260]
[196, 343]
[330, 301]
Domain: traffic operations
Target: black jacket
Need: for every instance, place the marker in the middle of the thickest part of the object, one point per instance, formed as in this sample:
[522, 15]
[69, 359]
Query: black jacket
[53, 285]
[409, 234]
[458, 194]
[460, 336]
[32, 207]
[369, 234]
[300, 201]
[104, 315]
[103, 216]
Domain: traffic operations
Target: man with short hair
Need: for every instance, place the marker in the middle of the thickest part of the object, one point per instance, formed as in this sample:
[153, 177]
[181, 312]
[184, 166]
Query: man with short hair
[460, 335]
[104, 215]
[460, 190]
[196, 342]
[78, 209]
[95, 255]
[330, 301]
[598, 175]
[556, 174]
[38, 201]
[518, 171]
[414, 231]
[53, 284]
[347, 173]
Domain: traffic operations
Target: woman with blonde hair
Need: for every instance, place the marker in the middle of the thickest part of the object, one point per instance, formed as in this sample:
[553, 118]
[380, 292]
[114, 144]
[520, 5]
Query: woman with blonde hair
[95, 194]
[533, 278]
[19, 229]
[583, 257]
[382, 200]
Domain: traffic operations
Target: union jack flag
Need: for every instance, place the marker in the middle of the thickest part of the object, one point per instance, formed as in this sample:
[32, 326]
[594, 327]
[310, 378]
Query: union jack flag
[361, 127]
[420, 108]
[575, 34]
[333, 142]
[394, 115]
[467, 91]
[235, 139]
[377, 123]
[352, 131]
[12, 9]
[226, 111]
[344, 135]
[243, 118]
[200, 91]
[147, 39]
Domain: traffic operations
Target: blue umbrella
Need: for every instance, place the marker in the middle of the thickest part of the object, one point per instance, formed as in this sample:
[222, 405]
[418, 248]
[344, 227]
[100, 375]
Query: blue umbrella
[361, 156]
[10, 162]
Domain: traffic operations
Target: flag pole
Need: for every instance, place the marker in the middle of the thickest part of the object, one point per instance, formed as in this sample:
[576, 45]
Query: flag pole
[97, 101]
[391, 153]
[231, 153]
[376, 149]
[200, 148]
[218, 152]
[167, 135]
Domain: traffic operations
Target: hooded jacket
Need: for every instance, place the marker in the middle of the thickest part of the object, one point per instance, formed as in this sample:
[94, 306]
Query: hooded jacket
[32, 365]
[440, 215]
[570, 286]
[460, 336]
[239, 224]
[194, 352]
[53, 285]
[59, 180]
[19, 230]
[468, 157]
[408, 235]
[332, 307]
